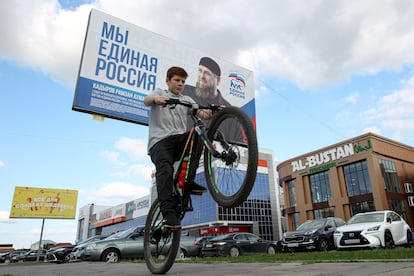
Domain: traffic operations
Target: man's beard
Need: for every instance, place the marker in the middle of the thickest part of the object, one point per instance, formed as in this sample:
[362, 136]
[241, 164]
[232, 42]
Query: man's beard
[205, 91]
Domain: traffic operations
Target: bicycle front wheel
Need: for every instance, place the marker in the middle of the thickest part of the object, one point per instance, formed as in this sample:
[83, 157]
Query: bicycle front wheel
[160, 244]
[230, 177]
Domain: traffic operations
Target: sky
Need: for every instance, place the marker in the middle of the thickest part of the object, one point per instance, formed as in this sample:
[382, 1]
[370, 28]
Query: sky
[325, 71]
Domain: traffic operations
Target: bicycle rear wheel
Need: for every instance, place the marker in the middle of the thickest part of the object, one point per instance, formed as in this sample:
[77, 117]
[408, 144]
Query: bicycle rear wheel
[160, 244]
[231, 177]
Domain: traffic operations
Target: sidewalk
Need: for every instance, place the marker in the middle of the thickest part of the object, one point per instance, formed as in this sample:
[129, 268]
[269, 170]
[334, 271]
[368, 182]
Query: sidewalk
[203, 269]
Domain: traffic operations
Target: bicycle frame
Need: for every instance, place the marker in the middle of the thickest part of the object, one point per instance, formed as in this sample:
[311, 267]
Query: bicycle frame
[188, 151]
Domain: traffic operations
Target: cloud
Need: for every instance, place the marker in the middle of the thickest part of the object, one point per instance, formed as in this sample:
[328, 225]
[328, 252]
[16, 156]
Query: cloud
[393, 113]
[352, 98]
[135, 148]
[130, 159]
[2, 164]
[4, 217]
[115, 193]
[311, 45]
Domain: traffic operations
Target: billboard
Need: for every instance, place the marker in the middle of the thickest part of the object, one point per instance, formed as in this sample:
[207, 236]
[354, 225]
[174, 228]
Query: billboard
[122, 63]
[29, 202]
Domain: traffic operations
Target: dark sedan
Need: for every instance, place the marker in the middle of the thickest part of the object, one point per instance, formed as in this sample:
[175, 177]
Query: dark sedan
[60, 254]
[236, 244]
[8, 257]
[32, 255]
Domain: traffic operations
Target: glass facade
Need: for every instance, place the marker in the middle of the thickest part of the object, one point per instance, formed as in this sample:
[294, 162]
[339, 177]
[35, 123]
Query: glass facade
[320, 187]
[357, 178]
[256, 209]
[295, 220]
[291, 192]
[324, 213]
[398, 207]
[390, 176]
[361, 207]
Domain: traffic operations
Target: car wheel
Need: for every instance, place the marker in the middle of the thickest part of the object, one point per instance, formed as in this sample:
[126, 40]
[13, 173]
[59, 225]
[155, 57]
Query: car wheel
[409, 239]
[66, 258]
[323, 245]
[181, 254]
[271, 250]
[389, 241]
[234, 252]
[111, 256]
[7, 261]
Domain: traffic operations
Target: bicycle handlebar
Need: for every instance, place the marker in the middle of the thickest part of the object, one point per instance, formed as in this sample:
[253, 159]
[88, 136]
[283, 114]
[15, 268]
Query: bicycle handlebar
[213, 107]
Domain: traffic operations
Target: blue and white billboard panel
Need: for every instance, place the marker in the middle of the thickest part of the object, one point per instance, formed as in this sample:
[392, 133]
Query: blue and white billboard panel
[122, 63]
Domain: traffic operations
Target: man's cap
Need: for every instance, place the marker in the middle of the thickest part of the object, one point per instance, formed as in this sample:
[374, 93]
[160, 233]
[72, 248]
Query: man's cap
[210, 64]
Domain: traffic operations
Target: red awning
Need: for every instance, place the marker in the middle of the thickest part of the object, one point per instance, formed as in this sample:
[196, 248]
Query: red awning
[109, 221]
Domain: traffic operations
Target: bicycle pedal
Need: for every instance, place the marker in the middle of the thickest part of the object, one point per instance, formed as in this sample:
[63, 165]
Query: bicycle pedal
[172, 227]
[188, 209]
[197, 193]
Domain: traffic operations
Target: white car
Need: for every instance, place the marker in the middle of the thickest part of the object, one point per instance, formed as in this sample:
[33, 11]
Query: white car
[372, 230]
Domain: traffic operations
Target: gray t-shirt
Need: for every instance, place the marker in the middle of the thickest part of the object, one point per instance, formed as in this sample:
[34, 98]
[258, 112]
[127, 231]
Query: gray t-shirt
[165, 121]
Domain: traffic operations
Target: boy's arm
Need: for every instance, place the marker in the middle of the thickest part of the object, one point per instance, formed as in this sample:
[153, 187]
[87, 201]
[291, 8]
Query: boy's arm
[154, 99]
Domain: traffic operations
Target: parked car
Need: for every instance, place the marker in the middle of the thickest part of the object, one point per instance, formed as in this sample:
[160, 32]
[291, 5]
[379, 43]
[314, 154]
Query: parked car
[32, 255]
[188, 247]
[127, 244]
[78, 251]
[8, 256]
[59, 254]
[373, 229]
[200, 242]
[314, 234]
[235, 244]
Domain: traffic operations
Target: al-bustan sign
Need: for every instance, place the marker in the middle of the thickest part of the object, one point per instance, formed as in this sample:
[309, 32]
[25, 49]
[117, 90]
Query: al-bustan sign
[325, 160]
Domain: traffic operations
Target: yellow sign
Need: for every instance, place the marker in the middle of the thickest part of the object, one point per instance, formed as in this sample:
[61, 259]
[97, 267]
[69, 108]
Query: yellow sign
[29, 202]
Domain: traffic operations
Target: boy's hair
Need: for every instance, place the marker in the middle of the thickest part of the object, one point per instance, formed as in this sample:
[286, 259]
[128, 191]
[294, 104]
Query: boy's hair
[176, 71]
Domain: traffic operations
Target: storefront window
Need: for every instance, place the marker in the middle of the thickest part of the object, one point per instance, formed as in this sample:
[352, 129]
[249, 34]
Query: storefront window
[357, 178]
[321, 189]
[295, 220]
[291, 191]
[390, 176]
[324, 213]
[398, 207]
[361, 207]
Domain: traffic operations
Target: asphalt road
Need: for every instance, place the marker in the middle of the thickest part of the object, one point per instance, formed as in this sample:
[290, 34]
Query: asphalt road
[203, 269]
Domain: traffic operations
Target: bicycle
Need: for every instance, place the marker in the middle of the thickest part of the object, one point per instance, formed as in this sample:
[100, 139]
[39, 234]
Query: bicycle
[230, 162]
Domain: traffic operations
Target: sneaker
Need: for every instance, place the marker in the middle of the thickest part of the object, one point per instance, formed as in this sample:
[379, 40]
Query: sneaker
[197, 189]
[171, 221]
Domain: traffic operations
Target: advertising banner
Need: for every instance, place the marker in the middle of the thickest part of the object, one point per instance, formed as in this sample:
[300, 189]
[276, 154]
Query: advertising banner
[122, 63]
[111, 215]
[29, 202]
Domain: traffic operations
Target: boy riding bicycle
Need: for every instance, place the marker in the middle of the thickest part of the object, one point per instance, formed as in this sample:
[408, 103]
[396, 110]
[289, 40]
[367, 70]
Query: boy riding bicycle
[167, 138]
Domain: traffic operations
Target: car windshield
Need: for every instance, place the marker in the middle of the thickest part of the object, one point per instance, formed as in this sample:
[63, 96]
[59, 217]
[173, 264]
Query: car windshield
[311, 225]
[221, 237]
[369, 217]
[91, 239]
[123, 234]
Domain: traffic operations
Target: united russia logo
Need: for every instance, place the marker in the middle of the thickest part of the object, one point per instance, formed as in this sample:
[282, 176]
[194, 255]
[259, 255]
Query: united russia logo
[237, 85]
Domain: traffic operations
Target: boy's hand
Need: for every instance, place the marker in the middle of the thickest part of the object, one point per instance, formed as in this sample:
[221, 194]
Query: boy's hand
[159, 100]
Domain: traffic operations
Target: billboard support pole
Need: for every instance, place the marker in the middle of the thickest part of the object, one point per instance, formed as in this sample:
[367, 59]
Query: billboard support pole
[40, 241]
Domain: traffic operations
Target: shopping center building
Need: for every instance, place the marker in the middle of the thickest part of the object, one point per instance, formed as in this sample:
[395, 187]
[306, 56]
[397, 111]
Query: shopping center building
[259, 214]
[365, 173]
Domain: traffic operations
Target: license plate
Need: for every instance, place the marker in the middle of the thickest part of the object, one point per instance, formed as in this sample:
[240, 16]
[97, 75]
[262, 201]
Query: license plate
[351, 241]
[208, 245]
[293, 244]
